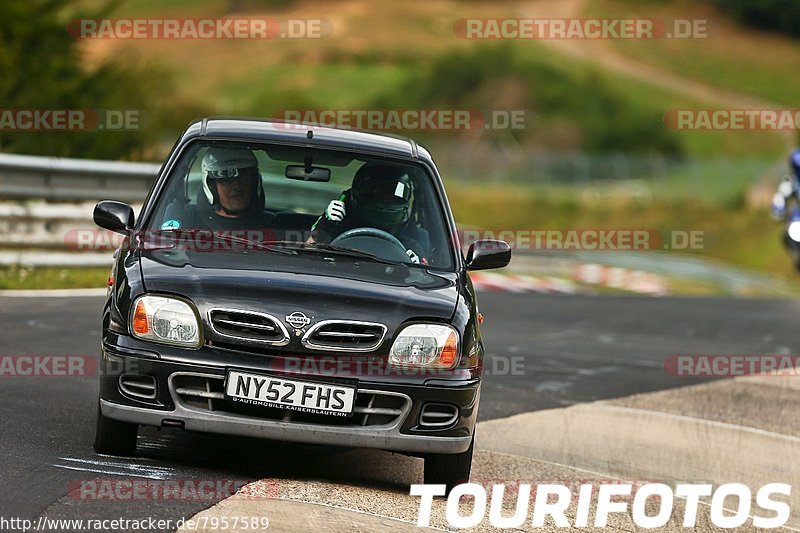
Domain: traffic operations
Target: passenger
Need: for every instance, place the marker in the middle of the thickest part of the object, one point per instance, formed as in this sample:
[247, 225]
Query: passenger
[381, 197]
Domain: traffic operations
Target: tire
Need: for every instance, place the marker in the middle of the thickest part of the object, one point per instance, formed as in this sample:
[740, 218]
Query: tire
[449, 469]
[114, 437]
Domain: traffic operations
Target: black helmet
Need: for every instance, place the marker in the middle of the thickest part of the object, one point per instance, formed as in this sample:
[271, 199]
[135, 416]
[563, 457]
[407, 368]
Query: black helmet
[382, 194]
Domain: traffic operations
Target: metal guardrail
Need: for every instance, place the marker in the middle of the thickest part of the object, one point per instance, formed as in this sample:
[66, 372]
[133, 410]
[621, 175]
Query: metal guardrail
[33, 230]
[43, 198]
[45, 201]
[55, 178]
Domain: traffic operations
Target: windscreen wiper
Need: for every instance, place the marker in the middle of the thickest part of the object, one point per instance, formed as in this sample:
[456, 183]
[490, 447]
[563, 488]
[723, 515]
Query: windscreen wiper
[322, 247]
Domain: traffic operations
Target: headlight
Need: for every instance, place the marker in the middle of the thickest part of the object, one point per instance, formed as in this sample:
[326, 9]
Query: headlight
[794, 231]
[165, 320]
[425, 345]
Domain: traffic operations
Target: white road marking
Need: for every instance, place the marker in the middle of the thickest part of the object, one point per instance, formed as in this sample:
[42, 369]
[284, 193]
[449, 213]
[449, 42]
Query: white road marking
[115, 468]
[696, 420]
[110, 472]
[52, 293]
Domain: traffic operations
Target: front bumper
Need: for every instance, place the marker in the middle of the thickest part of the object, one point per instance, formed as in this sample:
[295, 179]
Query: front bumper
[208, 412]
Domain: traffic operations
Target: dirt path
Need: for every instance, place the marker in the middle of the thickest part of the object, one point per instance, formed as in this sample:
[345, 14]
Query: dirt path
[604, 55]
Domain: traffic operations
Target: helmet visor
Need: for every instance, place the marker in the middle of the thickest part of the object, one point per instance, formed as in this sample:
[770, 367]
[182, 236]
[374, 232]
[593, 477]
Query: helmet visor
[382, 191]
[231, 173]
[223, 174]
[384, 216]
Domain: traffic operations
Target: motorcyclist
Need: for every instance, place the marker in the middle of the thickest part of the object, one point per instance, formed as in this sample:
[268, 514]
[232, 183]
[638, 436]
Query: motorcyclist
[381, 197]
[788, 188]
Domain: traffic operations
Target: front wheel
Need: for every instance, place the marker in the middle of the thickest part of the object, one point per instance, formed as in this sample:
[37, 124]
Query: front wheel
[114, 437]
[449, 469]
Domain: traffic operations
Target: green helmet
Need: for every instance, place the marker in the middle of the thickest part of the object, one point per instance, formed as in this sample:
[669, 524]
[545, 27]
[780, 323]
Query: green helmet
[382, 194]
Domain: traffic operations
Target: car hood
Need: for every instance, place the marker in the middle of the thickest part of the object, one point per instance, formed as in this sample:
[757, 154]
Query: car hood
[321, 286]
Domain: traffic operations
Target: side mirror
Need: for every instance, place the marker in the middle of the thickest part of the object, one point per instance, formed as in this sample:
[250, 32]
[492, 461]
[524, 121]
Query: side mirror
[486, 254]
[115, 216]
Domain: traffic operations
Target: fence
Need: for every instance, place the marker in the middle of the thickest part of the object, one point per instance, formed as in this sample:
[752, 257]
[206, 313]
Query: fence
[50, 196]
[54, 197]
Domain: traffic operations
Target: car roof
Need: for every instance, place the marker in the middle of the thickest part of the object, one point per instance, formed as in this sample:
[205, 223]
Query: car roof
[305, 134]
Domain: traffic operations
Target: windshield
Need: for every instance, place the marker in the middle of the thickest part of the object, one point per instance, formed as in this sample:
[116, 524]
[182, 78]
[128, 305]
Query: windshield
[276, 198]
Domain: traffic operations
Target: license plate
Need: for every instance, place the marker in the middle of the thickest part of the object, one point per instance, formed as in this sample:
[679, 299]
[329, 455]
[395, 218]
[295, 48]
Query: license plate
[304, 396]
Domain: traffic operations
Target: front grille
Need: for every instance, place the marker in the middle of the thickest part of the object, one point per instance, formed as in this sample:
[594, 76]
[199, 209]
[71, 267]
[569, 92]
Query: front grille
[344, 335]
[206, 392]
[438, 415]
[138, 386]
[248, 327]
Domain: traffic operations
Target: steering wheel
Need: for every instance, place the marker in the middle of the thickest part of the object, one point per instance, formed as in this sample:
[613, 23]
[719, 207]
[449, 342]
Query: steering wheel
[373, 241]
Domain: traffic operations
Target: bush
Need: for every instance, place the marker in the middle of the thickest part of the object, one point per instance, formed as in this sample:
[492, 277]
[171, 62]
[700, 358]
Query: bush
[584, 103]
[780, 15]
[43, 69]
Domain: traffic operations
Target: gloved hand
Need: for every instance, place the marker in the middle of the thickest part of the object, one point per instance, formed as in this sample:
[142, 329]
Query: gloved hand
[335, 211]
[414, 257]
[786, 188]
[778, 207]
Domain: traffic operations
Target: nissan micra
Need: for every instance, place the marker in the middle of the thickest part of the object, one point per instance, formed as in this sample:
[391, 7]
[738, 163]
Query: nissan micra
[295, 283]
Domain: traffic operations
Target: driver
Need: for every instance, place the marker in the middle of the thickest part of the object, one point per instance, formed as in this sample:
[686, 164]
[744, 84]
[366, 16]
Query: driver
[380, 197]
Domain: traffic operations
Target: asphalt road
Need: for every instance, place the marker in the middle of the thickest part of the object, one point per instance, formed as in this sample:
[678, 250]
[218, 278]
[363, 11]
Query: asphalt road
[563, 350]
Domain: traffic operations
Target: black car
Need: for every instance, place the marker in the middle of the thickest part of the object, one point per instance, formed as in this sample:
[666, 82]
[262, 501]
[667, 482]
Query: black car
[295, 283]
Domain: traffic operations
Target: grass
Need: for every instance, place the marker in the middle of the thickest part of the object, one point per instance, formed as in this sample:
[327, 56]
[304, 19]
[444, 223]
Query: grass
[377, 47]
[737, 235]
[732, 232]
[731, 57]
[745, 237]
[53, 278]
[289, 87]
[721, 181]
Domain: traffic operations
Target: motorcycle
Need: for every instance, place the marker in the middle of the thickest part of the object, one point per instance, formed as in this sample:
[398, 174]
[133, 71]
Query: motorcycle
[791, 236]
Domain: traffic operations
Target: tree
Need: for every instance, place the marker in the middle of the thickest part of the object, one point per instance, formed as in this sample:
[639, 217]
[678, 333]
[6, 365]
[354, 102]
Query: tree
[42, 68]
[781, 15]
